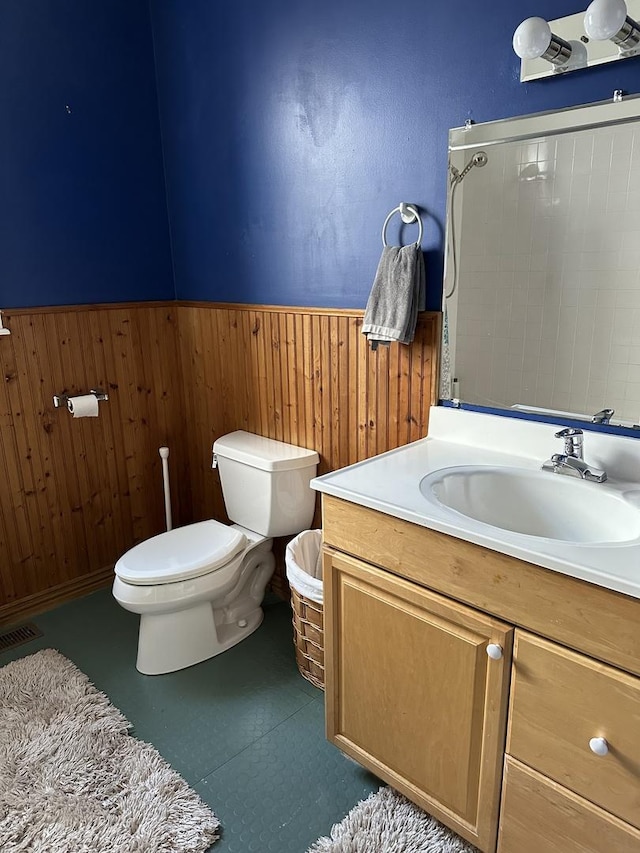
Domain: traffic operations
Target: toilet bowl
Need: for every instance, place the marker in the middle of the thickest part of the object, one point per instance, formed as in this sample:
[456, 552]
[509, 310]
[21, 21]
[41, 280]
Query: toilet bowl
[198, 589]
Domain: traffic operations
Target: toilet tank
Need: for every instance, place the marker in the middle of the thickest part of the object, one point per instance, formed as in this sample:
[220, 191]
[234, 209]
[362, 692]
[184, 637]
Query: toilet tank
[265, 483]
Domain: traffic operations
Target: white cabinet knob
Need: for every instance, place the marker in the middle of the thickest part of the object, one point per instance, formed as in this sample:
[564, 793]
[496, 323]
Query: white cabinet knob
[494, 651]
[599, 745]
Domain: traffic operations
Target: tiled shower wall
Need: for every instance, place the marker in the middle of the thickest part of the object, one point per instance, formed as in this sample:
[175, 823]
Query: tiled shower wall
[548, 295]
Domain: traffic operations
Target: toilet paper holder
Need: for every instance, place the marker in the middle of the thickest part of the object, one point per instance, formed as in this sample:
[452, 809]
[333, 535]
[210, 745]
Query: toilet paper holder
[60, 400]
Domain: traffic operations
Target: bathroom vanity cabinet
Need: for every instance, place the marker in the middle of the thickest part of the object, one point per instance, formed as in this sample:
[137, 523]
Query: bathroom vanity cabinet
[479, 685]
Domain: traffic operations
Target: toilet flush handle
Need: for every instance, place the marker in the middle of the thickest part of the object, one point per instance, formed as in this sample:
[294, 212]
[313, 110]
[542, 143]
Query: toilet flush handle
[214, 461]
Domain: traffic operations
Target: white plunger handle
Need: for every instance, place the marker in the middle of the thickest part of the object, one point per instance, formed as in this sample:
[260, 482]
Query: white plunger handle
[164, 455]
[599, 745]
[494, 651]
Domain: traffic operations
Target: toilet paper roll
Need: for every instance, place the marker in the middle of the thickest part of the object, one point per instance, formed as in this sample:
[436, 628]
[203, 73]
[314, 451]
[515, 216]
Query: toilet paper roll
[85, 406]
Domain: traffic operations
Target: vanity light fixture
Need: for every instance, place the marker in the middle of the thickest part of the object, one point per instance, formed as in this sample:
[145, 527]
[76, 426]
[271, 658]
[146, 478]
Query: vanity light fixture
[606, 32]
[533, 39]
[608, 19]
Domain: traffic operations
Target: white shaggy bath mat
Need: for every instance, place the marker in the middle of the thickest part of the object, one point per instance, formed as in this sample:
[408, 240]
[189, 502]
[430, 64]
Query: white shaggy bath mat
[386, 822]
[72, 779]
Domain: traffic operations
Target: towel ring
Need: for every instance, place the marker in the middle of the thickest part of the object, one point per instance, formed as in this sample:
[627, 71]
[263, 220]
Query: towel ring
[409, 213]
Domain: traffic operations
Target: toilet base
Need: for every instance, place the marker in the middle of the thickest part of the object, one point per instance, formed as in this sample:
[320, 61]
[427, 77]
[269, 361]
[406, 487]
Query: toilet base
[187, 622]
[171, 641]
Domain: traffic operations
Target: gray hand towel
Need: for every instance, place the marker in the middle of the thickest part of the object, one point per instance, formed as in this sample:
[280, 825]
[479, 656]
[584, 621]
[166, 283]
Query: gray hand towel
[397, 294]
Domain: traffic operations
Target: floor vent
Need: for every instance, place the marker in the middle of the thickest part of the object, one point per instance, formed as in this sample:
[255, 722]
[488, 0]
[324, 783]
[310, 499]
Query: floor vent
[19, 635]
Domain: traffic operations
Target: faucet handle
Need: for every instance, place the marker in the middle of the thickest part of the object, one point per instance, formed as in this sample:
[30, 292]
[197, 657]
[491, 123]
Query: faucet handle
[569, 432]
[573, 437]
[603, 416]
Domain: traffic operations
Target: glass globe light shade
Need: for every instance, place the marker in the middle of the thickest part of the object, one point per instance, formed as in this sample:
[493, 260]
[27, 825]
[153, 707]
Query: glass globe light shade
[532, 38]
[604, 18]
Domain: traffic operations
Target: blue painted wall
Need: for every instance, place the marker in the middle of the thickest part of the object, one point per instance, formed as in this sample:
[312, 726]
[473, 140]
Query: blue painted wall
[292, 127]
[83, 213]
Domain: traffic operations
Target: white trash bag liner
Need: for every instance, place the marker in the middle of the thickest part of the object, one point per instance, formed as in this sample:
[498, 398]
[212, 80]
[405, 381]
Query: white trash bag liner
[304, 564]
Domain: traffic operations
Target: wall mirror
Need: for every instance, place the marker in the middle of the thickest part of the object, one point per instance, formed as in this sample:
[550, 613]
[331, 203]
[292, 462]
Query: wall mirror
[542, 272]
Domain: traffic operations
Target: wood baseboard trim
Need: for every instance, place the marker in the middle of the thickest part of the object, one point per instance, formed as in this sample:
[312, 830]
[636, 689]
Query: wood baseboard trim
[17, 611]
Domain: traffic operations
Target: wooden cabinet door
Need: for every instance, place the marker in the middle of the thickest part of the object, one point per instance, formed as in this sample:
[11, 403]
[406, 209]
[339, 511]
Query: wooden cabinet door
[412, 694]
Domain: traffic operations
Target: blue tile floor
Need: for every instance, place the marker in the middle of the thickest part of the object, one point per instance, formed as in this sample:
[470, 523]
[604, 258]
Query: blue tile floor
[244, 728]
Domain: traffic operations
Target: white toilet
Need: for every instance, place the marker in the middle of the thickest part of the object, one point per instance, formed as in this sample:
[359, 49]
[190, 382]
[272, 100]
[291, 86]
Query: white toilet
[198, 588]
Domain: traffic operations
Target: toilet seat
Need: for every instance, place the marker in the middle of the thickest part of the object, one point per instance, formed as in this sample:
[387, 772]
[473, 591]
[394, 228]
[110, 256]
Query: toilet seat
[181, 554]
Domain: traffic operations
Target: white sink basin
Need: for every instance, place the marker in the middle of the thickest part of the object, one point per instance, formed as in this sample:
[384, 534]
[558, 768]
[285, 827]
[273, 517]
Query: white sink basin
[535, 503]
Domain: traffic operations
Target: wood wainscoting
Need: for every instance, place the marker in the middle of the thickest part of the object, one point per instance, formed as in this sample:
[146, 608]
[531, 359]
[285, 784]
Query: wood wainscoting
[304, 376]
[75, 494]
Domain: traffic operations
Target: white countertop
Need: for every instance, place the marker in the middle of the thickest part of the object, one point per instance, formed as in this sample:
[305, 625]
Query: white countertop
[390, 483]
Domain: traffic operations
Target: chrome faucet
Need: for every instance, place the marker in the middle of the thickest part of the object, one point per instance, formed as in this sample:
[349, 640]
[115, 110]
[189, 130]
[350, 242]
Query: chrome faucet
[572, 462]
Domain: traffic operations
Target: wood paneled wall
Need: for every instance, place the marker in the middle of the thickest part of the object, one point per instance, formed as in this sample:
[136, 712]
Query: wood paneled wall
[75, 494]
[303, 376]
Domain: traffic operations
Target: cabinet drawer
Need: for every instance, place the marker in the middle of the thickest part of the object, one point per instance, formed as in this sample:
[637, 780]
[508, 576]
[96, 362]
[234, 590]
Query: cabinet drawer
[540, 816]
[560, 700]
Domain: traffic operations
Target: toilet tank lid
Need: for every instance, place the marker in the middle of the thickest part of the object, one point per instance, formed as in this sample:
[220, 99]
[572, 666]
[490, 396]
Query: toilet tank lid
[181, 554]
[264, 453]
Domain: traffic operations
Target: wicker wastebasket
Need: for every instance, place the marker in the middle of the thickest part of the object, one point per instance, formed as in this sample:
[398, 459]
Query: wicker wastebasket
[304, 573]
